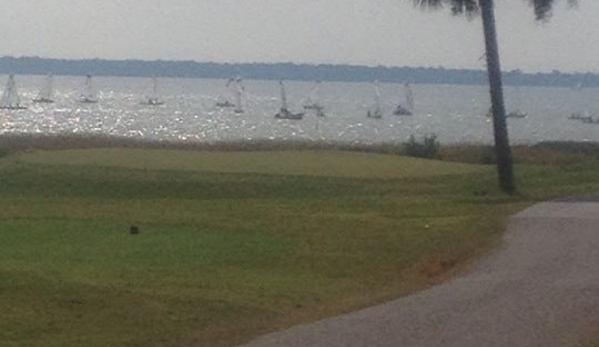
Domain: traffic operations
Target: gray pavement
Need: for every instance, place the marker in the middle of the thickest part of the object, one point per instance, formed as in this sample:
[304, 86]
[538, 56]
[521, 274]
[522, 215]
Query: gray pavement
[541, 288]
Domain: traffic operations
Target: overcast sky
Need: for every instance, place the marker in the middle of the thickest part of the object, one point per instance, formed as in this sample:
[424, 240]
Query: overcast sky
[364, 32]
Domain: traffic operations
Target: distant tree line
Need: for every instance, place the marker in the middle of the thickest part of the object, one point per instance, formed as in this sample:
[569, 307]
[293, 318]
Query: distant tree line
[286, 71]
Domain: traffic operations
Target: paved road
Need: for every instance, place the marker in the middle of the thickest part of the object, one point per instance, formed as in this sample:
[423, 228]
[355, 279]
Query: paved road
[540, 289]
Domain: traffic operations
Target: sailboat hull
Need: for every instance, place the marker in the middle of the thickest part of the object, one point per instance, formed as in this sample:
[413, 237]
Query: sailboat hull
[319, 110]
[402, 111]
[516, 114]
[376, 114]
[152, 102]
[313, 107]
[285, 114]
[43, 100]
[225, 104]
[88, 101]
[17, 107]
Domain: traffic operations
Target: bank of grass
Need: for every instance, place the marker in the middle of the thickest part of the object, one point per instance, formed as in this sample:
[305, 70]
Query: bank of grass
[233, 245]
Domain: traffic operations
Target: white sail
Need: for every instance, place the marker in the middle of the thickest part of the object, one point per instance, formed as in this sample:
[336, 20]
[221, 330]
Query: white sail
[238, 96]
[313, 100]
[407, 107]
[46, 93]
[88, 95]
[376, 112]
[10, 97]
[232, 96]
[224, 99]
[283, 96]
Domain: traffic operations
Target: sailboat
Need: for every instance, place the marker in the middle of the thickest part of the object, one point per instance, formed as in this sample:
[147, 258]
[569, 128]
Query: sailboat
[284, 113]
[223, 100]
[10, 97]
[88, 97]
[584, 117]
[153, 100]
[590, 120]
[313, 102]
[46, 93]
[408, 108]
[376, 112]
[517, 113]
[513, 114]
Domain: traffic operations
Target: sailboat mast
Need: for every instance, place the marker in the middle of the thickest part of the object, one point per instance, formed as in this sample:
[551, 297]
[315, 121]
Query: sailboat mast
[154, 88]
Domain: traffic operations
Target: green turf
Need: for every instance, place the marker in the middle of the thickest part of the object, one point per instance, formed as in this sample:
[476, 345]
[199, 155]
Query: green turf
[233, 244]
[307, 163]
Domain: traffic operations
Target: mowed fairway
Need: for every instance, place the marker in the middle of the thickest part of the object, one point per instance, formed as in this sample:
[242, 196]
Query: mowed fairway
[231, 244]
[305, 163]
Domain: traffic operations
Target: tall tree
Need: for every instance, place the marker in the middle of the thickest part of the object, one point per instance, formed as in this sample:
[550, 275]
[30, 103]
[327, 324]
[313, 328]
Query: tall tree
[542, 10]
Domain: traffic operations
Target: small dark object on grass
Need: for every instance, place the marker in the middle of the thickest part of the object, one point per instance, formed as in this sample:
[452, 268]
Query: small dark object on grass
[133, 230]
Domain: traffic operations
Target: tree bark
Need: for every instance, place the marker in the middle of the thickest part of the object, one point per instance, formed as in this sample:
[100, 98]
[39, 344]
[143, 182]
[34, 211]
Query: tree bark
[502, 146]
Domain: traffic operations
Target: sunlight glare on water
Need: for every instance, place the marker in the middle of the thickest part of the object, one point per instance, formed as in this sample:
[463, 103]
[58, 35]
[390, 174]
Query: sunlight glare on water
[454, 113]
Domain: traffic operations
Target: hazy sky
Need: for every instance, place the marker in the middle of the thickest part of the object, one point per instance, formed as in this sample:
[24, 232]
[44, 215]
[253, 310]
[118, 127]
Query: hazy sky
[365, 32]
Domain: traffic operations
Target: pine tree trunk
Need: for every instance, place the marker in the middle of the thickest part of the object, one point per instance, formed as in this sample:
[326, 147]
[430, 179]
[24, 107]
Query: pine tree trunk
[502, 144]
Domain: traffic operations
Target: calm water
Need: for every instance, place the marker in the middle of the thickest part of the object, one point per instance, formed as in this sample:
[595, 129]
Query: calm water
[454, 113]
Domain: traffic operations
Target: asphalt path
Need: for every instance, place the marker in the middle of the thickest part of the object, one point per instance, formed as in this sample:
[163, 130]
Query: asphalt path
[541, 288]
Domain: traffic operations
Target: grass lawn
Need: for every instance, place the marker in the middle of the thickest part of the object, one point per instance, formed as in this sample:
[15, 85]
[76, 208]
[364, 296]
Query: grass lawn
[236, 244]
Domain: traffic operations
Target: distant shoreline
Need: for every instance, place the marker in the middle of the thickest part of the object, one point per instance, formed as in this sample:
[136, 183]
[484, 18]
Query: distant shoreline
[286, 71]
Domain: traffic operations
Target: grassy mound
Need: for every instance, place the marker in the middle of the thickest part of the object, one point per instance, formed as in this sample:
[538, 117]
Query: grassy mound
[324, 163]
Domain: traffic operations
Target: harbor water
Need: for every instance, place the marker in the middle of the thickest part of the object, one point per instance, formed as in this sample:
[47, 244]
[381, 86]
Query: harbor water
[454, 113]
